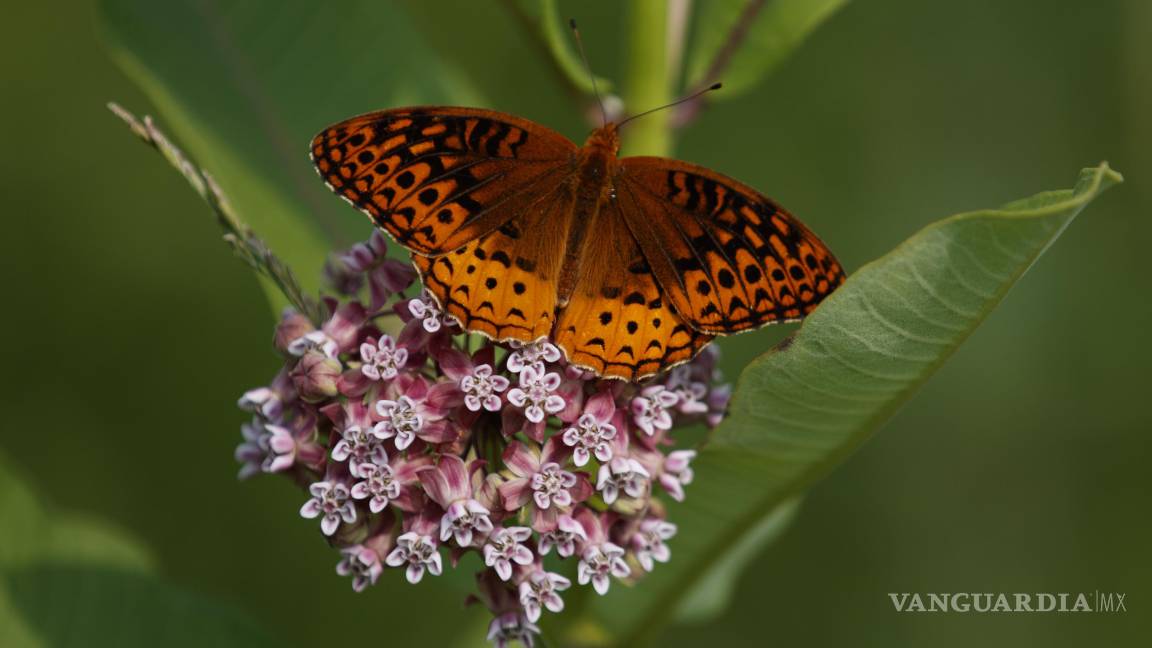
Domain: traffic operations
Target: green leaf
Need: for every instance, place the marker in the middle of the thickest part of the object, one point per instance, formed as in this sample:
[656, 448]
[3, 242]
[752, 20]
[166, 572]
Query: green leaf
[80, 605]
[70, 579]
[713, 592]
[33, 532]
[244, 87]
[740, 52]
[801, 408]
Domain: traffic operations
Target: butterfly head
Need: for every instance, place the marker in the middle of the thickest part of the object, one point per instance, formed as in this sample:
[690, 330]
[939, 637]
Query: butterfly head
[604, 141]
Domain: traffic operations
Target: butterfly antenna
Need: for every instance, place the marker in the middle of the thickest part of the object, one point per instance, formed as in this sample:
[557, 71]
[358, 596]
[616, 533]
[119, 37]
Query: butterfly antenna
[588, 67]
[714, 86]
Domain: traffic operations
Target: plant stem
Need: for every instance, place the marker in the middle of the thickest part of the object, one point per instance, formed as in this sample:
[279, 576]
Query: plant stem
[647, 82]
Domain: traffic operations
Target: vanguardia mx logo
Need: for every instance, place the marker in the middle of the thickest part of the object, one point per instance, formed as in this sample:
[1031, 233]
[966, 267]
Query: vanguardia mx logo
[985, 602]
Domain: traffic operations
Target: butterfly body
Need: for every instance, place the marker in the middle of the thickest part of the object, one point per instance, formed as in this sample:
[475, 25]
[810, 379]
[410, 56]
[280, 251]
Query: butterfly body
[629, 265]
[592, 187]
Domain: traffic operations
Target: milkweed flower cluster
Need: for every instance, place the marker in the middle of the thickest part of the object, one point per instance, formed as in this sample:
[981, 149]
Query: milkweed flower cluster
[414, 448]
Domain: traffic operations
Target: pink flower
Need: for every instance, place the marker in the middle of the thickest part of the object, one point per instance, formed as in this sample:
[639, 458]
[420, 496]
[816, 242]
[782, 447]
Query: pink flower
[600, 561]
[648, 542]
[358, 445]
[449, 484]
[417, 551]
[506, 546]
[525, 355]
[565, 537]
[386, 277]
[535, 395]
[270, 402]
[650, 409]
[379, 485]
[418, 411]
[396, 483]
[599, 558]
[691, 393]
[478, 382]
[336, 336]
[622, 474]
[540, 589]
[593, 433]
[292, 327]
[383, 359]
[266, 448]
[677, 473]
[428, 312]
[541, 480]
[512, 628]
[330, 500]
[270, 447]
[362, 564]
[718, 404]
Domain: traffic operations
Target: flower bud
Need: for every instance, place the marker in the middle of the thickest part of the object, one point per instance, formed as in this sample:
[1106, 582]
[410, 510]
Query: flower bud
[292, 326]
[316, 376]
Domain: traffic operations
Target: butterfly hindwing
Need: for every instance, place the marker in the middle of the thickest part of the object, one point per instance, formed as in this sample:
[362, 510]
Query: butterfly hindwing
[728, 258]
[617, 322]
[436, 178]
[503, 284]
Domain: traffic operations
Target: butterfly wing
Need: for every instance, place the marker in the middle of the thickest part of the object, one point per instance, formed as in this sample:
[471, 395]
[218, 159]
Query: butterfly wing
[436, 178]
[617, 322]
[503, 284]
[728, 258]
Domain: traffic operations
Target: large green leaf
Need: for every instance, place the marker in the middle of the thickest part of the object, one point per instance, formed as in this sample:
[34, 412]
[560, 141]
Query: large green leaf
[73, 580]
[803, 407]
[744, 40]
[33, 533]
[244, 86]
[84, 605]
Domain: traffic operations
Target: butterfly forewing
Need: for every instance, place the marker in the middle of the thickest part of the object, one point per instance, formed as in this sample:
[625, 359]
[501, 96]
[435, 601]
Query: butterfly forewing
[726, 257]
[436, 178]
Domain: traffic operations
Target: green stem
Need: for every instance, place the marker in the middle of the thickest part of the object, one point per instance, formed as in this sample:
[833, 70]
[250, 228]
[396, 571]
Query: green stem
[647, 82]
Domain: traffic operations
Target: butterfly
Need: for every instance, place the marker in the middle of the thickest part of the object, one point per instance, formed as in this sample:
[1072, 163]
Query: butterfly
[629, 265]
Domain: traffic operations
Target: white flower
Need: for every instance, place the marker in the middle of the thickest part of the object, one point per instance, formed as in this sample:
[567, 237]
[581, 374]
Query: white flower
[535, 393]
[461, 519]
[692, 393]
[505, 547]
[540, 589]
[318, 340]
[481, 388]
[512, 628]
[400, 420]
[564, 537]
[330, 500]
[650, 408]
[648, 542]
[526, 355]
[550, 485]
[419, 552]
[590, 437]
[262, 400]
[621, 474]
[362, 564]
[383, 360]
[379, 486]
[432, 317]
[361, 446]
[677, 473]
[600, 561]
[266, 448]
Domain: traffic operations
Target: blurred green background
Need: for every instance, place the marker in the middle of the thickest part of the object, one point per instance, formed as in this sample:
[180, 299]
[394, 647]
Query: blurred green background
[1021, 467]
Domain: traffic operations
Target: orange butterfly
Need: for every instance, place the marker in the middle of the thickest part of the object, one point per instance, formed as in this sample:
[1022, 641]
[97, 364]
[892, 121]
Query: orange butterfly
[630, 265]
